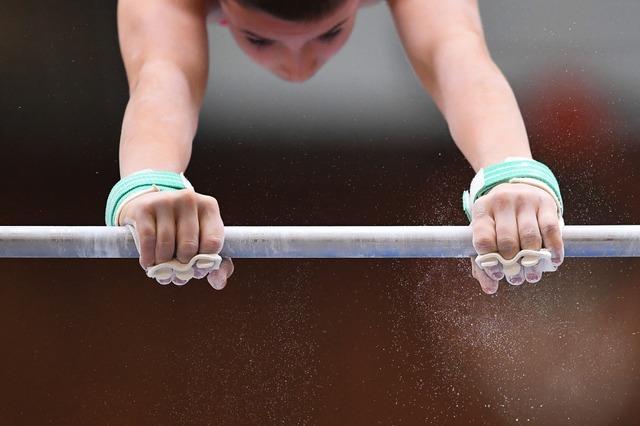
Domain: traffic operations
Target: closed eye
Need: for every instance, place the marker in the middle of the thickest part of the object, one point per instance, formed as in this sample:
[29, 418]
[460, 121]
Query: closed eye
[330, 35]
[259, 42]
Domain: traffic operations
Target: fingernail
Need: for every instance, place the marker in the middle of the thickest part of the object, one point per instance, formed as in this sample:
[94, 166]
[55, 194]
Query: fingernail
[515, 280]
[163, 281]
[533, 278]
[178, 281]
[219, 285]
[498, 275]
[216, 280]
[199, 273]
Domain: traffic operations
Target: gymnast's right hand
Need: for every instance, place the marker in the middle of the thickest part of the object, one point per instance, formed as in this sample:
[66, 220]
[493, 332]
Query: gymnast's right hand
[178, 224]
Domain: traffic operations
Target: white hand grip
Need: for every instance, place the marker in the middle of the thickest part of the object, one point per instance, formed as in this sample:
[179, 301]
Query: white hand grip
[523, 258]
[184, 271]
[166, 271]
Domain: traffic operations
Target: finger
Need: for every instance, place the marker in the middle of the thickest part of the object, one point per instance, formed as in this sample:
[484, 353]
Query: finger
[533, 274]
[494, 272]
[179, 282]
[211, 227]
[227, 266]
[516, 278]
[493, 269]
[549, 224]
[145, 228]
[488, 285]
[484, 232]
[528, 231]
[506, 230]
[218, 278]
[166, 232]
[163, 281]
[188, 232]
[199, 273]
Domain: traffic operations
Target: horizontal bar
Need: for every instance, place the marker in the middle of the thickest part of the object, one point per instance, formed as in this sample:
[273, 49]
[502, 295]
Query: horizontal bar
[307, 241]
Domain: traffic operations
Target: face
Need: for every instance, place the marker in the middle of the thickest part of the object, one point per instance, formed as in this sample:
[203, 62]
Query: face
[294, 51]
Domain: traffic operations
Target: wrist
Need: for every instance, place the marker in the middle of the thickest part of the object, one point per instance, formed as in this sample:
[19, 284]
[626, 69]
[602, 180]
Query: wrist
[512, 170]
[140, 183]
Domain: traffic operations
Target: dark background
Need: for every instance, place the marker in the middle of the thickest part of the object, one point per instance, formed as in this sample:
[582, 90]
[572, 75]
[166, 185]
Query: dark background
[303, 341]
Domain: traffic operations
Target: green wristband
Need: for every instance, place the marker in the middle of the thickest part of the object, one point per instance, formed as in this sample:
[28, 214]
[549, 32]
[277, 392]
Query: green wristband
[512, 170]
[136, 183]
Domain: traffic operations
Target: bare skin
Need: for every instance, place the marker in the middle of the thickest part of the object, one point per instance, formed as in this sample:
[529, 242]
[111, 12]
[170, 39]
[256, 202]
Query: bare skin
[164, 47]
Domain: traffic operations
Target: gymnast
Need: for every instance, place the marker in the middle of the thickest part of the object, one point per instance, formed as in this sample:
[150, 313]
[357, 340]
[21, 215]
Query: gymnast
[513, 203]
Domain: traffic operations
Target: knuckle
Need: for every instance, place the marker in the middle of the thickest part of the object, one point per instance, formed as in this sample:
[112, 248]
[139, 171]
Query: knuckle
[545, 200]
[501, 199]
[188, 246]
[211, 202]
[507, 243]
[483, 244]
[160, 203]
[548, 201]
[501, 196]
[146, 234]
[146, 262]
[144, 205]
[479, 209]
[165, 241]
[214, 244]
[550, 228]
[186, 250]
[188, 197]
[530, 235]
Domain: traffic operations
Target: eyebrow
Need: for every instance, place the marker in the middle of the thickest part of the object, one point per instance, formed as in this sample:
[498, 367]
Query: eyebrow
[335, 27]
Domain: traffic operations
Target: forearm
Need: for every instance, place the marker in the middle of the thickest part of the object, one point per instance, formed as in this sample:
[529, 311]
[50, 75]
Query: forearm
[164, 50]
[478, 103]
[160, 121]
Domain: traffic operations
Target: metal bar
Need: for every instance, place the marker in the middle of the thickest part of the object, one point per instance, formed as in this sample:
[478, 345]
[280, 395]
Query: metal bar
[308, 241]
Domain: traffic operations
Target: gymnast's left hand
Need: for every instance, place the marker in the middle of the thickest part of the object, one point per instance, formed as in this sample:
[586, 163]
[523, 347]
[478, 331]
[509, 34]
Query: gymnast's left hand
[513, 217]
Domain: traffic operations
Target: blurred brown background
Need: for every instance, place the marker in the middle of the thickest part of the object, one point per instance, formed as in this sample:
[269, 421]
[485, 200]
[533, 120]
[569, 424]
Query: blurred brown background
[318, 341]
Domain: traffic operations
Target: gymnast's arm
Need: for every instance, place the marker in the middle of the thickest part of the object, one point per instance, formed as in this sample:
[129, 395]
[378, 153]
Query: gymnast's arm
[165, 53]
[164, 47]
[445, 44]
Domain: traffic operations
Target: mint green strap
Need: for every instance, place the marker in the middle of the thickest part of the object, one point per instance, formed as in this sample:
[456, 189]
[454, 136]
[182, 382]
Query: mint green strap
[509, 170]
[138, 182]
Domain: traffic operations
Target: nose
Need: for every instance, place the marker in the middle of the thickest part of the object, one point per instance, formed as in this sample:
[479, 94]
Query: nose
[300, 66]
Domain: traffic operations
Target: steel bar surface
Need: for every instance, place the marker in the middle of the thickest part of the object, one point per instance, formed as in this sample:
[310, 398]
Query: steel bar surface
[307, 241]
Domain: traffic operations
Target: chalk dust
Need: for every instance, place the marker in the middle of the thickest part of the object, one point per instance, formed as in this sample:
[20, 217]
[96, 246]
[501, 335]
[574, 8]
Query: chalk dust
[561, 348]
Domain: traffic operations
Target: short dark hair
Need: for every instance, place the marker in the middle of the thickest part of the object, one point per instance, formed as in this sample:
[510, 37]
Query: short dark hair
[294, 10]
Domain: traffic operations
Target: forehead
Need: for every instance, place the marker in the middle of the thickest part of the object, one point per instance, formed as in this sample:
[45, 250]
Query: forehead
[268, 26]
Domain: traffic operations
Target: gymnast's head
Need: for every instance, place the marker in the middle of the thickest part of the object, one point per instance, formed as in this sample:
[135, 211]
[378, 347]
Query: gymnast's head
[290, 38]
